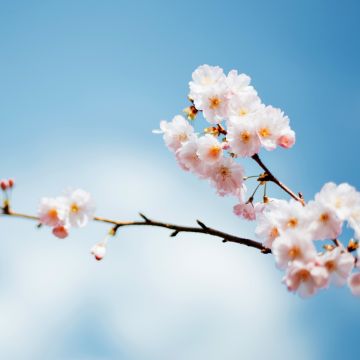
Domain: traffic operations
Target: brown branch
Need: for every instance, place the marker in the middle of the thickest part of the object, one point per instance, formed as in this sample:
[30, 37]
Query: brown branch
[203, 229]
[271, 177]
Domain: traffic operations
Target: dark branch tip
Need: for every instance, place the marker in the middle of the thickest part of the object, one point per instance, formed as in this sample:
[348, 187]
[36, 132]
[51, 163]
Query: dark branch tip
[144, 217]
[201, 224]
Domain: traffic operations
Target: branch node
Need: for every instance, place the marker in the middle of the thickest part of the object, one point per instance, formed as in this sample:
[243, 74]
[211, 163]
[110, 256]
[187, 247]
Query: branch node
[114, 229]
[265, 251]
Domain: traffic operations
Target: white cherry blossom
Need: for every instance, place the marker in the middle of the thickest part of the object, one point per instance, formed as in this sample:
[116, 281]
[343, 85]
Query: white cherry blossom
[176, 132]
[209, 149]
[79, 206]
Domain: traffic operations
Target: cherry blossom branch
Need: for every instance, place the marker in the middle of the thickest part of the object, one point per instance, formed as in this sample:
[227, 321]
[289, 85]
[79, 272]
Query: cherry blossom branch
[203, 229]
[270, 177]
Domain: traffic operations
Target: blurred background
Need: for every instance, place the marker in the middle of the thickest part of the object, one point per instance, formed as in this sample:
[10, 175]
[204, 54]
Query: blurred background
[82, 85]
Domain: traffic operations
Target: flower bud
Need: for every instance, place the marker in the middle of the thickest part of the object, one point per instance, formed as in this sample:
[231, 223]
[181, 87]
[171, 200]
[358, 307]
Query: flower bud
[191, 112]
[287, 141]
[4, 185]
[99, 250]
[11, 183]
[60, 231]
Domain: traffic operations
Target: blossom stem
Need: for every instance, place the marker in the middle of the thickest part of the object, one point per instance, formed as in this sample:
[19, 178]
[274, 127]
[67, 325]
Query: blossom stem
[202, 228]
[251, 198]
[251, 177]
[276, 181]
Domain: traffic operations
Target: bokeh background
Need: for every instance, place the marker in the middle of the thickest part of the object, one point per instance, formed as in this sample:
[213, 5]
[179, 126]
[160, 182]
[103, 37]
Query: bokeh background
[82, 85]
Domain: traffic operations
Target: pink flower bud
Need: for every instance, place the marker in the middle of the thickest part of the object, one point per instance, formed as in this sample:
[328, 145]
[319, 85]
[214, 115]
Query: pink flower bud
[225, 145]
[287, 140]
[99, 250]
[11, 183]
[60, 231]
[4, 184]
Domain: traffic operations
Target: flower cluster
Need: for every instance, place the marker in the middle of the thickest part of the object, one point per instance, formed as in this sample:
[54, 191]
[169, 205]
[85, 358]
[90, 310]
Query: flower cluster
[250, 124]
[240, 126]
[292, 232]
[247, 125]
[74, 209]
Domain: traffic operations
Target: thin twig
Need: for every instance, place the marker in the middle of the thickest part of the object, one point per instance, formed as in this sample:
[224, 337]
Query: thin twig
[203, 229]
[276, 181]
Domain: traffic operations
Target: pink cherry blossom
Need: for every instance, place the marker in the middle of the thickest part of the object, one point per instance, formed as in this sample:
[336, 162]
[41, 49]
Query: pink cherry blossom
[227, 177]
[242, 136]
[244, 103]
[214, 104]
[289, 215]
[188, 157]
[238, 84]
[52, 211]
[270, 124]
[176, 132]
[354, 220]
[324, 223]
[291, 246]
[339, 265]
[341, 198]
[246, 211]
[203, 79]
[305, 278]
[268, 226]
[354, 284]
[209, 149]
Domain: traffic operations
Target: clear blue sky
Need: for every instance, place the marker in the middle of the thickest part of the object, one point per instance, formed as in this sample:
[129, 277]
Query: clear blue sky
[82, 84]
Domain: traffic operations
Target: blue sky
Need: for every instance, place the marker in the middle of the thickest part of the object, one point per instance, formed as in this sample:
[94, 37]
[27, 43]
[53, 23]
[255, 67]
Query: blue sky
[82, 84]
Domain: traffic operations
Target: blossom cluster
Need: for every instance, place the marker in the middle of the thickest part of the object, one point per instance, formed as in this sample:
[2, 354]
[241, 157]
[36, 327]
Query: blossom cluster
[243, 125]
[293, 231]
[74, 209]
[240, 126]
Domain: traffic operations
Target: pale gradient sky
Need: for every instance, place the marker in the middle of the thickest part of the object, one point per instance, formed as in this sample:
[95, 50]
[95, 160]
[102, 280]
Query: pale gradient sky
[82, 84]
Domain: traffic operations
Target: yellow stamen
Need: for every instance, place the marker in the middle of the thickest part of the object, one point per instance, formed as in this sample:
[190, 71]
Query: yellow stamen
[303, 275]
[338, 203]
[214, 151]
[245, 136]
[74, 208]
[243, 112]
[324, 217]
[294, 252]
[224, 171]
[293, 222]
[53, 214]
[214, 102]
[207, 80]
[330, 266]
[274, 233]
[264, 132]
[182, 137]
